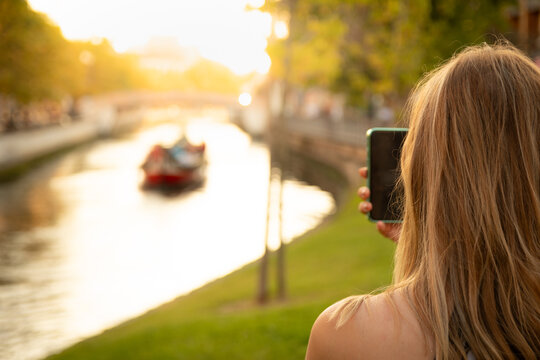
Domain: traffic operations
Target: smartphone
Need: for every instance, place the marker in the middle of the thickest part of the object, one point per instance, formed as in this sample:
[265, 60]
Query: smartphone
[384, 152]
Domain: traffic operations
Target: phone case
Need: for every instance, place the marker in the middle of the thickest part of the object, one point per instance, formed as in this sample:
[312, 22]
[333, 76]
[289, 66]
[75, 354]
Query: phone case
[368, 143]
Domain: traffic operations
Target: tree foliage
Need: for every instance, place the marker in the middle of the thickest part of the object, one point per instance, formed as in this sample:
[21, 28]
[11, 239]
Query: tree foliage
[32, 53]
[362, 47]
[37, 62]
[204, 75]
[105, 70]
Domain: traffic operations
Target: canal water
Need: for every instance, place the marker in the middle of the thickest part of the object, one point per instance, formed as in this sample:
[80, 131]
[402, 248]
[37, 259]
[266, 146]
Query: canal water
[83, 247]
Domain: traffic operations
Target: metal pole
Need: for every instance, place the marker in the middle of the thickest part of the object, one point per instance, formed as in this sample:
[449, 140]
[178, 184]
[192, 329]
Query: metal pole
[281, 278]
[283, 156]
[523, 24]
[262, 289]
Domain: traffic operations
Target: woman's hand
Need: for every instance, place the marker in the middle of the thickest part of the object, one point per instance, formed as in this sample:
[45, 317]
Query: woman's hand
[391, 231]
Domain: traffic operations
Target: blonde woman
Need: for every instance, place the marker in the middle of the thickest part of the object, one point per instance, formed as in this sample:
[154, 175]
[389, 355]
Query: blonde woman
[467, 264]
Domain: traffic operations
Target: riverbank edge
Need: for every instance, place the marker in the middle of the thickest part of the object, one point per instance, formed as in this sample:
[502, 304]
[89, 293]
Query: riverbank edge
[205, 323]
[15, 171]
[66, 138]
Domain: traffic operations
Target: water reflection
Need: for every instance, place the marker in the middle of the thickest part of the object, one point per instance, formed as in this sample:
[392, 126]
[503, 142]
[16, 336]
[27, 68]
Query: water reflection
[82, 247]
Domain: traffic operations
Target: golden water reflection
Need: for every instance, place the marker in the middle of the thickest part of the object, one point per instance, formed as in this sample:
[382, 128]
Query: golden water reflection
[84, 248]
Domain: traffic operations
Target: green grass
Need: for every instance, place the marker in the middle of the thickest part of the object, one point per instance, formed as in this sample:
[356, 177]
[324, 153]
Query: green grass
[222, 321]
[14, 172]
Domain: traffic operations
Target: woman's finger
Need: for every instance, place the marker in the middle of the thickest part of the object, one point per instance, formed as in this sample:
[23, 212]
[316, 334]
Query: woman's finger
[365, 207]
[363, 193]
[383, 228]
[391, 231]
[363, 172]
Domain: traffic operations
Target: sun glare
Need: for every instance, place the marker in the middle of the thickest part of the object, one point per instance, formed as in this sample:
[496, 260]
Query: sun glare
[256, 3]
[244, 99]
[263, 67]
[223, 31]
[281, 29]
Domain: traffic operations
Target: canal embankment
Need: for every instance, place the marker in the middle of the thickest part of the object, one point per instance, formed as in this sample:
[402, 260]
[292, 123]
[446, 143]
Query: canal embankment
[222, 319]
[22, 150]
[84, 247]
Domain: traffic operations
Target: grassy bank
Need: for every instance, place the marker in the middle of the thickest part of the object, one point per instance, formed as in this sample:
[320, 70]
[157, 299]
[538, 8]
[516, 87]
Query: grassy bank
[221, 319]
[16, 171]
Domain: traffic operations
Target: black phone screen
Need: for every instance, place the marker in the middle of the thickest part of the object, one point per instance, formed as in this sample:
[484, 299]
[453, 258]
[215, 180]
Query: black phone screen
[384, 155]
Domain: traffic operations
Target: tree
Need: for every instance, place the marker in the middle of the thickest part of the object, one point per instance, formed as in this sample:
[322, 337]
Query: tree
[104, 70]
[204, 75]
[34, 54]
[314, 47]
[362, 47]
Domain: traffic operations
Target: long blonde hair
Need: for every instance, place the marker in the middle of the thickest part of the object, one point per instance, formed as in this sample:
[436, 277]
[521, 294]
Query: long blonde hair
[469, 251]
[468, 256]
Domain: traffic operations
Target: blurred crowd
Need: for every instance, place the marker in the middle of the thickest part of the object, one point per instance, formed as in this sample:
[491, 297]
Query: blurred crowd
[15, 116]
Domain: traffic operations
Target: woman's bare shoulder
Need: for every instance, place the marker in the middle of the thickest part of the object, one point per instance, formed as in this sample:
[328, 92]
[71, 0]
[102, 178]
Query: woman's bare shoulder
[379, 327]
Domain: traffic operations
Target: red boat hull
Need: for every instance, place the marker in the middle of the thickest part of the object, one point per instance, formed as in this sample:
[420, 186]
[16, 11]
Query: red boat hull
[169, 179]
[177, 166]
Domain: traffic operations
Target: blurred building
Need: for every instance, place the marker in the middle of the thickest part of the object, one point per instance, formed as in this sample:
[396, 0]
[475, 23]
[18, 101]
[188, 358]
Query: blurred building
[164, 53]
[529, 36]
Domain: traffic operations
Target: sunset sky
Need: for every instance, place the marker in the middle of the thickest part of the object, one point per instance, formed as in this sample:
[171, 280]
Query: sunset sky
[220, 30]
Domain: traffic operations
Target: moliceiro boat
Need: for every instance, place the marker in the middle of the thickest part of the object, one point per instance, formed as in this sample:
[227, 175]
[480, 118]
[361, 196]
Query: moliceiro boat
[179, 165]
